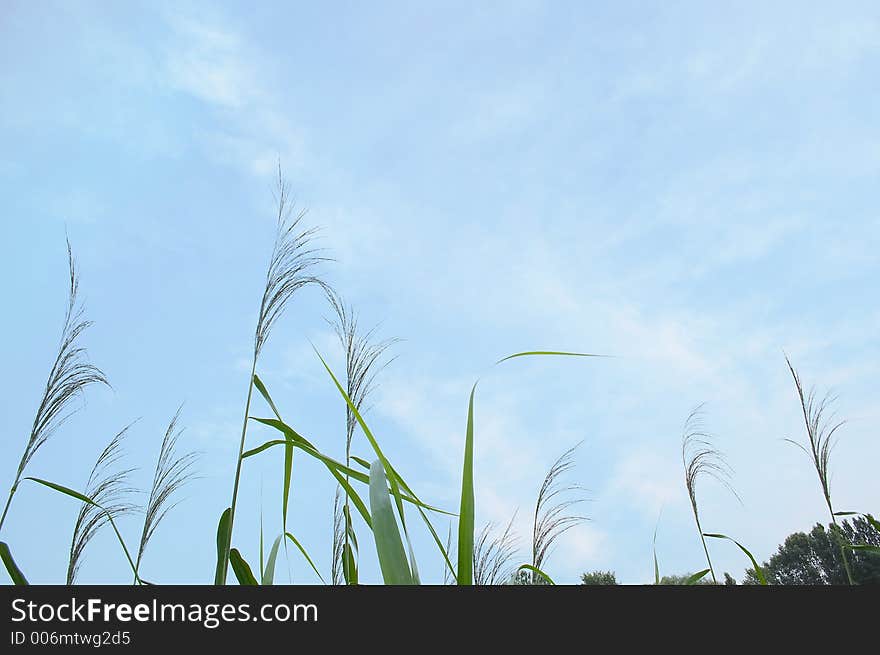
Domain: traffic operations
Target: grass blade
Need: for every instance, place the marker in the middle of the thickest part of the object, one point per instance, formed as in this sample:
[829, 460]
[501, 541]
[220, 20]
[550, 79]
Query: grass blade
[696, 577]
[222, 545]
[305, 554]
[268, 577]
[466, 512]
[361, 461]
[349, 565]
[560, 353]
[288, 452]
[14, 572]
[75, 494]
[389, 546]
[654, 545]
[241, 568]
[758, 572]
[258, 383]
[64, 490]
[537, 571]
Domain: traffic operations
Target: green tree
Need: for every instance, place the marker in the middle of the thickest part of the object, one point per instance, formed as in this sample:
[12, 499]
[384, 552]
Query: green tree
[599, 578]
[815, 558]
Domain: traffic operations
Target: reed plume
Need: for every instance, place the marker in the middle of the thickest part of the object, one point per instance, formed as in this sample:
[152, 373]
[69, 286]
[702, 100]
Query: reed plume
[70, 375]
[552, 516]
[701, 458]
[109, 489]
[336, 572]
[290, 269]
[493, 554]
[822, 426]
[365, 358]
[172, 473]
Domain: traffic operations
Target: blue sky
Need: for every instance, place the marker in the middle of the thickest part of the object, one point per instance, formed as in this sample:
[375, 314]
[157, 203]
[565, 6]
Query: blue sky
[689, 187]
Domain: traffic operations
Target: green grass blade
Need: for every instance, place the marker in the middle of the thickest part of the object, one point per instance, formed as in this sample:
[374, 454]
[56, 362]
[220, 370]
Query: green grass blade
[336, 468]
[361, 461]
[866, 548]
[288, 453]
[268, 576]
[354, 497]
[285, 492]
[350, 550]
[349, 565]
[306, 555]
[258, 383]
[307, 447]
[696, 577]
[66, 490]
[466, 512]
[560, 353]
[14, 572]
[654, 547]
[871, 520]
[262, 563]
[392, 476]
[241, 568]
[329, 461]
[759, 573]
[536, 570]
[82, 497]
[439, 543]
[222, 545]
[389, 546]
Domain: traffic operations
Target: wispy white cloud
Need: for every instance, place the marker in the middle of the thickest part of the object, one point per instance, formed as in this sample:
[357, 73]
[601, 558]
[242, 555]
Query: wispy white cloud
[208, 60]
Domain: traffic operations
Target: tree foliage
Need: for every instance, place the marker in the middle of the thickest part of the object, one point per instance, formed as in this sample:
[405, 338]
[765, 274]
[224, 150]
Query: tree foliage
[599, 578]
[815, 558]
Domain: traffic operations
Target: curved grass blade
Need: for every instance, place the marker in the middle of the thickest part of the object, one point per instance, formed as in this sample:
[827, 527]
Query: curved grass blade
[392, 475]
[696, 577]
[268, 576]
[439, 542]
[759, 573]
[262, 563]
[285, 493]
[361, 461]
[14, 572]
[75, 494]
[306, 555]
[258, 383]
[288, 452]
[560, 353]
[537, 571]
[349, 565]
[389, 546]
[871, 520]
[336, 469]
[654, 545]
[466, 512]
[395, 479]
[222, 545]
[303, 444]
[241, 568]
